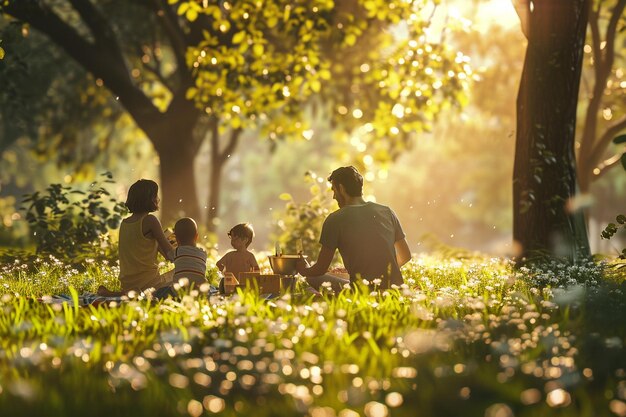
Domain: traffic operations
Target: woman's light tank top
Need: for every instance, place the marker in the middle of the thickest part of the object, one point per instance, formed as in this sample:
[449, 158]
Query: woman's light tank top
[138, 258]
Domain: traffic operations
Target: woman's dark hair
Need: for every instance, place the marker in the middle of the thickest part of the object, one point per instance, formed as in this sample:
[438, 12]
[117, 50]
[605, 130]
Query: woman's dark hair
[350, 178]
[244, 231]
[141, 196]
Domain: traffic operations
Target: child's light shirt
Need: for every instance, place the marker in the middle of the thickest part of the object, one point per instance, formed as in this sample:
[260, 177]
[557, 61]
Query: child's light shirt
[238, 261]
[190, 262]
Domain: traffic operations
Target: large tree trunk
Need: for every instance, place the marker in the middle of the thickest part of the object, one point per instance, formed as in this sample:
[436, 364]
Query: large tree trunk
[174, 142]
[544, 178]
[178, 186]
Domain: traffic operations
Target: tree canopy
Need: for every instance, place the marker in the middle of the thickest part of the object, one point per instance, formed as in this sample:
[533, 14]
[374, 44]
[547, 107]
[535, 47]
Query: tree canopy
[190, 70]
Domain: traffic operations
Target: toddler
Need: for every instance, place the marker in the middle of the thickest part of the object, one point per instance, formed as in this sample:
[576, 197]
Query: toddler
[240, 259]
[189, 260]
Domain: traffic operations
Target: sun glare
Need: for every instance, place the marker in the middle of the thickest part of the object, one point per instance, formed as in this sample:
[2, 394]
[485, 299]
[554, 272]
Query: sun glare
[496, 12]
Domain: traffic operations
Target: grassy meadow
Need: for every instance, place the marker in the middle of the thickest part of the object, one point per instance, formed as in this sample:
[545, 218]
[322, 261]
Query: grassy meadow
[463, 337]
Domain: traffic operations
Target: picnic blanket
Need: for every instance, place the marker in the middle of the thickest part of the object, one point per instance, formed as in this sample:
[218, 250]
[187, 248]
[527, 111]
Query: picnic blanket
[83, 300]
[90, 299]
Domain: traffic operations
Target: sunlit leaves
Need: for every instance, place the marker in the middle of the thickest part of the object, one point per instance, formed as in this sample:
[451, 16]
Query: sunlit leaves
[269, 61]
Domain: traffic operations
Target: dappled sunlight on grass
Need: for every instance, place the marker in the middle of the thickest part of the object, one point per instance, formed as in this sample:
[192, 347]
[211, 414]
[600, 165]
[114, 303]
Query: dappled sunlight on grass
[467, 336]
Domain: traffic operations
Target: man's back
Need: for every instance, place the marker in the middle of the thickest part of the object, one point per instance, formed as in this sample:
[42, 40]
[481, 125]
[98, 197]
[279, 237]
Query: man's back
[365, 235]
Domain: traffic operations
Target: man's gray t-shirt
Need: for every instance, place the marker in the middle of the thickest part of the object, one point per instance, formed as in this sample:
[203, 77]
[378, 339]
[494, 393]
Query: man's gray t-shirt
[365, 235]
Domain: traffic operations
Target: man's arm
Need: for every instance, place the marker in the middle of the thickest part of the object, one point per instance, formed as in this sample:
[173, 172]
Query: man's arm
[403, 253]
[320, 267]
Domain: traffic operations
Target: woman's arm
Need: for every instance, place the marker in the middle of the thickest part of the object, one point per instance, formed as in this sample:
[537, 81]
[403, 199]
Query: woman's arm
[152, 228]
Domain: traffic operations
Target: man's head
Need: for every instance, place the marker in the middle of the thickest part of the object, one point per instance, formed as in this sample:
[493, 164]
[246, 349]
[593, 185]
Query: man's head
[243, 231]
[346, 182]
[186, 231]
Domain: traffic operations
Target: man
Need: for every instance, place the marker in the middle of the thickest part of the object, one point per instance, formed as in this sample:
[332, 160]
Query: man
[368, 235]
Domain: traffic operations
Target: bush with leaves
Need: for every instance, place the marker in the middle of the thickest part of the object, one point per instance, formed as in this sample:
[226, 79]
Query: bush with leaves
[303, 221]
[558, 274]
[73, 224]
[612, 228]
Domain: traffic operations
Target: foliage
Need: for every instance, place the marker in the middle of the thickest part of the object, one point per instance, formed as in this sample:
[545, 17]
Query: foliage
[70, 223]
[613, 228]
[461, 338]
[303, 221]
[259, 63]
[368, 65]
[554, 274]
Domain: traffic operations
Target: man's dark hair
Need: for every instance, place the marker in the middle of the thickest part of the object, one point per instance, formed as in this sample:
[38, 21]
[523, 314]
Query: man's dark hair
[244, 231]
[141, 196]
[350, 178]
[185, 230]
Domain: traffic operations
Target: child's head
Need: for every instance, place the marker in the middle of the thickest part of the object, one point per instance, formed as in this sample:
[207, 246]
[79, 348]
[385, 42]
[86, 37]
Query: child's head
[143, 197]
[186, 231]
[243, 231]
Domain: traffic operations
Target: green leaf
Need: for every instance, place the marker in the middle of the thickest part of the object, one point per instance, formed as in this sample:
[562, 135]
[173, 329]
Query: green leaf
[191, 15]
[183, 9]
[191, 93]
[619, 139]
[316, 85]
[239, 37]
[1, 53]
[258, 49]
[350, 39]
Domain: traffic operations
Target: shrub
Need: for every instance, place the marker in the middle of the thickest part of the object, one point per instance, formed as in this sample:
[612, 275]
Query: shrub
[72, 224]
[303, 221]
[611, 230]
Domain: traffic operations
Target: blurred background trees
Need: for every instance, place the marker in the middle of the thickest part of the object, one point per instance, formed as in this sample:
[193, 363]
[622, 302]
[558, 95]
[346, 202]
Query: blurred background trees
[448, 177]
[187, 72]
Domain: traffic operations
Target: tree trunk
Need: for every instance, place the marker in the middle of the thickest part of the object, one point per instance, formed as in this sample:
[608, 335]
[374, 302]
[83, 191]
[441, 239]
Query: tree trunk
[178, 186]
[175, 143]
[544, 177]
[218, 160]
[215, 181]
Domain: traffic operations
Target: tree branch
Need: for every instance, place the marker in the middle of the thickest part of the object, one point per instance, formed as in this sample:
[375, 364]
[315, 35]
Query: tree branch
[606, 165]
[174, 32]
[97, 61]
[100, 29]
[233, 140]
[594, 16]
[605, 141]
[611, 29]
[601, 73]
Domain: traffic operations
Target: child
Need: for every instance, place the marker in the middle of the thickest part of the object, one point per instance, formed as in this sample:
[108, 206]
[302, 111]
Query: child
[141, 236]
[239, 260]
[189, 260]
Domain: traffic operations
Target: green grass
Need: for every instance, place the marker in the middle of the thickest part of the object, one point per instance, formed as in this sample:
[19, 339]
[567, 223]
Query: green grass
[466, 337]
